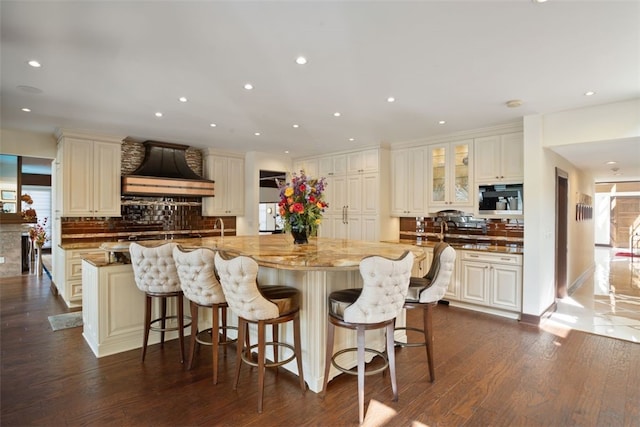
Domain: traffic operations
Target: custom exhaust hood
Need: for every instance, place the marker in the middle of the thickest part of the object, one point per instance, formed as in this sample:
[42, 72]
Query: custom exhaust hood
[165, 172]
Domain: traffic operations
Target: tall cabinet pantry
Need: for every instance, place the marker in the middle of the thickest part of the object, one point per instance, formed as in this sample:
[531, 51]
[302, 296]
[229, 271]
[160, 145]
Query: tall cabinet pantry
[86, 183]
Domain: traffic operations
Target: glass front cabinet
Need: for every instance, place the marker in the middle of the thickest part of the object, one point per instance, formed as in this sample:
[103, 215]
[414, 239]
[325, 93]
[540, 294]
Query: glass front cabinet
[451, 175]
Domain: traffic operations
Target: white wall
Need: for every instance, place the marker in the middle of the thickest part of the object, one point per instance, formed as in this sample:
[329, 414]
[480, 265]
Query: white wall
[254, 161]
[602, 218]
[27, 144]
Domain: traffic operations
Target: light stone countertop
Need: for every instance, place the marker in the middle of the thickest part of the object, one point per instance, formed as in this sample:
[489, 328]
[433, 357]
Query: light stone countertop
[279, 251]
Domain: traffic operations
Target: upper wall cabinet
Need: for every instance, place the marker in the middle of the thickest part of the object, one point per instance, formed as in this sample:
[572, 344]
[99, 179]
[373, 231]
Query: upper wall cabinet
[309, 166]
[408, 182]
[227, 171]
[89, 176]
[499, 159]
[451, 175]
[362, 161]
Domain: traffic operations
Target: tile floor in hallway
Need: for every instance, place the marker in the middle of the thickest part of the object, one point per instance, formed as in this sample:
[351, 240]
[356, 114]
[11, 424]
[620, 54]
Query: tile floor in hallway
[607, 303]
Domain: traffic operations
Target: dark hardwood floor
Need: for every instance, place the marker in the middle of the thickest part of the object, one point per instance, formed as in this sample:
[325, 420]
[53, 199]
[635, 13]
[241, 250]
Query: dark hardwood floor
[490, 371]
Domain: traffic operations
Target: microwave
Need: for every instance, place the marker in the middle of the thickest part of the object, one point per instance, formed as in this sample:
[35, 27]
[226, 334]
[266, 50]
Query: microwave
[500, 199]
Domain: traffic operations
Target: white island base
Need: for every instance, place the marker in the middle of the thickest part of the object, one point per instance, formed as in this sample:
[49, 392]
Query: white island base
[113, 315]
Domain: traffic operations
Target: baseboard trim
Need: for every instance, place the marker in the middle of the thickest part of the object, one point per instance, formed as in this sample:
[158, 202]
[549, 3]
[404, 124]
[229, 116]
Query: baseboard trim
[532, 319]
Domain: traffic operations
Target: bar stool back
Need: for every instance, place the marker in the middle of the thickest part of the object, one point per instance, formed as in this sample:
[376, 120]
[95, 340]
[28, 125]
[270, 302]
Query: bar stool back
[155, 274]
[425, 292]
[265, 305]
[201, 287]
[376, 305]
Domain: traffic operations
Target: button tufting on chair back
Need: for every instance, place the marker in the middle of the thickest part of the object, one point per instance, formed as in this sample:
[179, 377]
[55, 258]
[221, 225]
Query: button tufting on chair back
[154, 269]
[384, 289]
[197, 276]
[440, 282]
[238, 278]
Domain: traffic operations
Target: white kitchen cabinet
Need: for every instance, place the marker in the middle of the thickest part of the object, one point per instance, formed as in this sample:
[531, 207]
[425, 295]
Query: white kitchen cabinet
[499, 159]
[491, 280]
[89, 176]
[451, 176]
[408, 182]
[310, 167]
[353, 193]
[227, 170]
[69, 277]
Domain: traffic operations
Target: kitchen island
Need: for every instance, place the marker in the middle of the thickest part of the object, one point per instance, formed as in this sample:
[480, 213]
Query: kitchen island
[113, 306]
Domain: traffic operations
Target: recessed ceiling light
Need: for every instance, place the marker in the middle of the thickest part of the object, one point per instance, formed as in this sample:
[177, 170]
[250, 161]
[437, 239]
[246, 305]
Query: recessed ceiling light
[286, 151]
[617, 174]
[26, 110]
[391, 99]
[182, 99]
[441, 122]
[589, 93]
[213, 125]
[336, 114]
[352, 139]
[295, 126]
[257, 133]
[301, 60]
[539, 1]
[514, 103]
[610, 162]
[34, 63]
[248, 86]
[158, 114]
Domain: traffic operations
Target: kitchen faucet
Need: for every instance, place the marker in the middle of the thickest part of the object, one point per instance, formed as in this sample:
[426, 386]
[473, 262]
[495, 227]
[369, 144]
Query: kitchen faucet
[221, 225]
[443, 227]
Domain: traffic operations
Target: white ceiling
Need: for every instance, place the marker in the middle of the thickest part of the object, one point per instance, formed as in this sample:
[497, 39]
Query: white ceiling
[109, 66]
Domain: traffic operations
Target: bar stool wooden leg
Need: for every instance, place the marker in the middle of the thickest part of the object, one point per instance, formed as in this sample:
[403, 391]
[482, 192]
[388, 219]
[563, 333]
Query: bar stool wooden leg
[391, 358]
[428, 339]
[261, 360]
[194, 333]
[242, 336]
[181, 327]
[275, 333]
[215, 338]
[163, 322]
[361, 343]
[147, 324]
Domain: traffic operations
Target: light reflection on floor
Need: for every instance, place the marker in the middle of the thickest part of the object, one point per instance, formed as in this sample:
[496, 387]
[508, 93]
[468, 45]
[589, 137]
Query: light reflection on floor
[596, 307]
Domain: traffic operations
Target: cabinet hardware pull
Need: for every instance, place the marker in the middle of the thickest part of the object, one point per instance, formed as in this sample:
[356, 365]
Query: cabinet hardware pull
[505, 259]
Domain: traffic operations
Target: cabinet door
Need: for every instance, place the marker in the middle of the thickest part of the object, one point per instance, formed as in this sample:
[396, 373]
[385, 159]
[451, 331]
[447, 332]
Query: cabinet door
[475, 282]
[487, 160]
[461, 184]
[369, 190]
[399, 180]
[107, 185]
[216, 169]
[438, 169]
[309, 166]
[77, 166]
[337, 194]
[369, 228]
[354, 194]
[506, 287]
[512, 156]
[354, 227]
[235, 187]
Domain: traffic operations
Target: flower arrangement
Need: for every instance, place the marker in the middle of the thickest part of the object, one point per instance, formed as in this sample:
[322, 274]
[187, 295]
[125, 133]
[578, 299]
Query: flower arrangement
[28, 213]
[38, 233]
[302, 203]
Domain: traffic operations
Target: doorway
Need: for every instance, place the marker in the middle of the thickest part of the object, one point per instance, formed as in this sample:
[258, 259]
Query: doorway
[562, 210]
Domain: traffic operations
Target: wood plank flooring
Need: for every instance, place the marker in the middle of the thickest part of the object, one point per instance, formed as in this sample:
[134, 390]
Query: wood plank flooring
[489, 371]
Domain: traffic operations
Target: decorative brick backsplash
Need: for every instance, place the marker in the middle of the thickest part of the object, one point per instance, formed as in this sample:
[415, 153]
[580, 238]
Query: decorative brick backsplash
[498, 231]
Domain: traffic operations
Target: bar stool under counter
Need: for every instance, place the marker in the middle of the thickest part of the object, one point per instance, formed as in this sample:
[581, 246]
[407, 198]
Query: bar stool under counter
[262, 306]
[376, 305]
[425, 292]
[155, 274]
[201, 287]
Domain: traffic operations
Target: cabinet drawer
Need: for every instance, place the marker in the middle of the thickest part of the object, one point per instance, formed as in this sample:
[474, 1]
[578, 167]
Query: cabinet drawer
[510, 259]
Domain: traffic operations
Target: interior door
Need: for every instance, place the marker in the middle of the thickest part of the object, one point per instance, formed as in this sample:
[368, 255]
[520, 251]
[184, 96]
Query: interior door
[562, 211]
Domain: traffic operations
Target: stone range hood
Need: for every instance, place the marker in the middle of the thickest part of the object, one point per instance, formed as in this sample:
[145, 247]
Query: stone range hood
[165, 172]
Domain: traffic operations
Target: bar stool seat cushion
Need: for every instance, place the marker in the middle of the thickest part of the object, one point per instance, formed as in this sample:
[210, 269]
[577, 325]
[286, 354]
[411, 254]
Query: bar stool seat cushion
[339, 300]
[286, 298]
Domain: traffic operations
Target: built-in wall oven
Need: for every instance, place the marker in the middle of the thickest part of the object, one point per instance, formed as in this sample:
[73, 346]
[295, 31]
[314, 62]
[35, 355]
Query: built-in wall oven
[500, 199]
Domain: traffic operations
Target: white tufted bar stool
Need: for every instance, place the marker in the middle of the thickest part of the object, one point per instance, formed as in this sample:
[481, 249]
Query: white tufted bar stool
[425, 292]
[267, 305]
[155, 274]
[201, 287]
[376, 305]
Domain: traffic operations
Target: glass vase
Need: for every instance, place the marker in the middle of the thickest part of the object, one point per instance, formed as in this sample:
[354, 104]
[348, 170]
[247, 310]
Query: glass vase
[300, 237]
